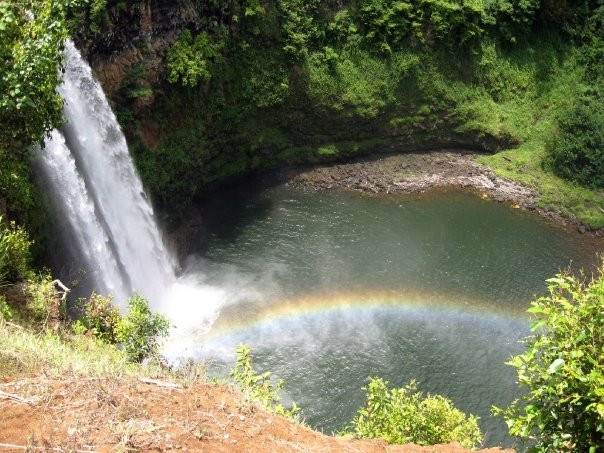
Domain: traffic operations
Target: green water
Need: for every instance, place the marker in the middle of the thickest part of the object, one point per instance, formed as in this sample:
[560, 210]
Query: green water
[334, 287]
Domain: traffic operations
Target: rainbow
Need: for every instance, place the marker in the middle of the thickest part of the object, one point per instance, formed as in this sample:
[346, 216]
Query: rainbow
[272, 313]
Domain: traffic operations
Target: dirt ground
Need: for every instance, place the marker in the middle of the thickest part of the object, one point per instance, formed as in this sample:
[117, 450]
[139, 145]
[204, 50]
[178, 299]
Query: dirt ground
[74, 414]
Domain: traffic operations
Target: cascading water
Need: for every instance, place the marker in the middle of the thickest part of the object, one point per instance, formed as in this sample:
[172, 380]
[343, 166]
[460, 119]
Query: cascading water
[78, 209]
[88, 169]
[131, 236]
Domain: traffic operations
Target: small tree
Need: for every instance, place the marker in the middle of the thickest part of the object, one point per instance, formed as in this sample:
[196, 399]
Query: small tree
[404, 415]
[577, 149]
[140, 330]
[563, 370]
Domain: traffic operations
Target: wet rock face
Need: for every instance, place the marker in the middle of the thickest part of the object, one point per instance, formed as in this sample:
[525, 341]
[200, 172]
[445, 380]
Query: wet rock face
[140, 31]
[139, 20]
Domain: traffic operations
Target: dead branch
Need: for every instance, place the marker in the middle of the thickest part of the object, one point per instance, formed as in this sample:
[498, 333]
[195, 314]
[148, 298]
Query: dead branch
[163, 384]
[64, 289]
[14, 326]
[20, 399]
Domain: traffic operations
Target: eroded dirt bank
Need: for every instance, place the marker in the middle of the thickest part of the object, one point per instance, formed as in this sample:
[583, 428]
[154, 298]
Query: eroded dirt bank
[421, 172]
[127, 414]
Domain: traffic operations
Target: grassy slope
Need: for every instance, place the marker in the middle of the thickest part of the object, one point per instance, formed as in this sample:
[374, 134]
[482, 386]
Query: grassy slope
[523, 164]
[81, 392]
[517, 94]
[531, 117]
[23, 351]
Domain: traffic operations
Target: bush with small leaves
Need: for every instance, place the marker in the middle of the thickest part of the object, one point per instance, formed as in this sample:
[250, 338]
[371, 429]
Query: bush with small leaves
[577, 151]
[141, 329]
[31, 37]
[43, 303]
[14, 252]
[100, 318]
[189, 59]
[6, 312]
[404, 415]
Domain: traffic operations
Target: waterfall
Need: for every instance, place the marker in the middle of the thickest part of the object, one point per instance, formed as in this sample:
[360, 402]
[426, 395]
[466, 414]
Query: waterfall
[78, 211]
[87, 170]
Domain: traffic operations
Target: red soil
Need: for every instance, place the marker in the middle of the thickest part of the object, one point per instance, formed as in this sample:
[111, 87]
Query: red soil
[119, 414]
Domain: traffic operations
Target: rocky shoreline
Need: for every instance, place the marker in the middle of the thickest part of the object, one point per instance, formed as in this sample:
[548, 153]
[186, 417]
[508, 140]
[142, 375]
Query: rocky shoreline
[414, 173]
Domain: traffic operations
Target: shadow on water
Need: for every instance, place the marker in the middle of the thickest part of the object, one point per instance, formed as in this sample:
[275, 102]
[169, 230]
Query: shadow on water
[229, 209]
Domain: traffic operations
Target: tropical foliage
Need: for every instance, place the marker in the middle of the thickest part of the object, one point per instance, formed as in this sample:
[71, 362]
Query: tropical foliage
[31, 39]
[14, 252]
[140, 330]
[189, 58]
[562, 370]
[404, 415]
[138, 333]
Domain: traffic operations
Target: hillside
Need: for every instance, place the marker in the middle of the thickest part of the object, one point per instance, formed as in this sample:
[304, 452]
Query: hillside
[70, 393]
[110, 414]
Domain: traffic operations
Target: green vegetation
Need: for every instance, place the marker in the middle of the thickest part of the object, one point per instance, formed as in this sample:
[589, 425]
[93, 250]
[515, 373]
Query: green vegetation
[44, 308]
[562, 369]
[25, 351]
[14, 252]
[258, 387]
[140, 330]
[31, 36]
[261, 83]
[41, 308]
[189, 59]
[405, 415]
[98, 318]
[577, 151]
[137, 333]
[265, 83]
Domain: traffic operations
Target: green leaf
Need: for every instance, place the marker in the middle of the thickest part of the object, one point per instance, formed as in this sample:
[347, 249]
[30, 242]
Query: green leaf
[555, 365]
[538, 325]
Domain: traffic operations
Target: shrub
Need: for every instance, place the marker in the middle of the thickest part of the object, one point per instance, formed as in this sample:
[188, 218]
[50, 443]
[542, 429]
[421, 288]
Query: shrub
[100, 318]
[298, 26]
[259, 386]
[135, 84]
[189, 59]
[404, 415]
[14, 252]
[140, 330]
[43, 303]
[6, 311]
[354, 82]
[395, 23]
[577, 152]
[513, 19]
[562, 369]
[31, 37]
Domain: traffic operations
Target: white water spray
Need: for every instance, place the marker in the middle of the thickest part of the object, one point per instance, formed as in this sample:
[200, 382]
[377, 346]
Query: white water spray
[88, 168]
